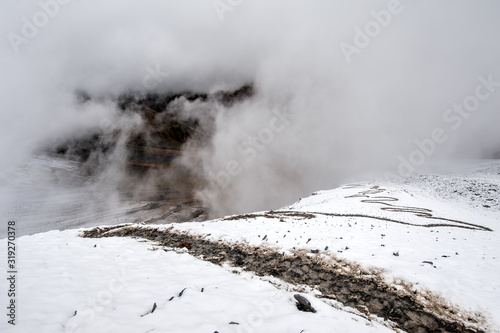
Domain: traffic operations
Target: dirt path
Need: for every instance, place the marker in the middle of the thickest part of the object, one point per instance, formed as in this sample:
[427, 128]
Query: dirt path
[370, 198]
[346, 282]
[280, 214]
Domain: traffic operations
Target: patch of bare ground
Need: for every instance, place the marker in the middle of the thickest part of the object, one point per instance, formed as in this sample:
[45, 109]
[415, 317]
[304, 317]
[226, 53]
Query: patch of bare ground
[346, 282]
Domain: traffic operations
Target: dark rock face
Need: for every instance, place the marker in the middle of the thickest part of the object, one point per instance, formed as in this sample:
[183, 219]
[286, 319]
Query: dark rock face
[172, 125]
[166, 128]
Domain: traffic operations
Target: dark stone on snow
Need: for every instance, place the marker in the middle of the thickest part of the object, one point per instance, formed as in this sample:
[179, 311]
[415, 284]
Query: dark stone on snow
[303, 304]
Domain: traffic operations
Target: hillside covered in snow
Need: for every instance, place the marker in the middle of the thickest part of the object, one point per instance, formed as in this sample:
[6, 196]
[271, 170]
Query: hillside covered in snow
[369, 256]
[250, 166]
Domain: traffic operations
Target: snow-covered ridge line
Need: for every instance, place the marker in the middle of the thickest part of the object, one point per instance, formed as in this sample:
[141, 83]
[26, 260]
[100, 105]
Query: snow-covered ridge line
[386, 203]
[349, 283]
[280, 214]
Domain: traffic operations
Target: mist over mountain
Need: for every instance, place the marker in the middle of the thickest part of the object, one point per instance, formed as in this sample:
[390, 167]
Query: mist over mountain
[338, 89]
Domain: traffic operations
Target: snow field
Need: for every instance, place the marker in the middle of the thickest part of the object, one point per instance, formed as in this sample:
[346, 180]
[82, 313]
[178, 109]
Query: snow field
[112, 284]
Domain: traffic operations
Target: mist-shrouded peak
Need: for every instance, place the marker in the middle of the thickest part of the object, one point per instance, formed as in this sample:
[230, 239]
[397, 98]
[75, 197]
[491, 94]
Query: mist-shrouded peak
[337, 90]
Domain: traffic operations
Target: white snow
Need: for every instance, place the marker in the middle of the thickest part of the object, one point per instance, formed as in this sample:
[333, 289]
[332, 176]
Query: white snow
[459, 264]
[113, 283]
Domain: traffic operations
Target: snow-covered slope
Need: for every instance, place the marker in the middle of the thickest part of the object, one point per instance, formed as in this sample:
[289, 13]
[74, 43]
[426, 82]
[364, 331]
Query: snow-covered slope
[71, 284]
[409, 231]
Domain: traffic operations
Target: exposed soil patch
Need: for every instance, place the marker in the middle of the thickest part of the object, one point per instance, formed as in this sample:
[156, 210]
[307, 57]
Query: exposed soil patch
[346, 282]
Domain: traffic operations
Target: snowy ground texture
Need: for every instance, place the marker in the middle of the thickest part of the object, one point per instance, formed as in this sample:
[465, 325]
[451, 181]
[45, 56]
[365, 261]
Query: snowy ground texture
[425, 230]
[72, 284]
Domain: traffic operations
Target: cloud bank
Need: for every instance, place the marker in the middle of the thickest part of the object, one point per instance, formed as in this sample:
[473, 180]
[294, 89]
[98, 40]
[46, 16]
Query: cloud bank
[320, 114]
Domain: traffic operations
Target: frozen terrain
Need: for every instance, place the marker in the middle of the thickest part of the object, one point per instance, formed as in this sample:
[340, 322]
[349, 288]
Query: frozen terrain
[429, 234]
[50, 192]
[71, 284]
[196, 166]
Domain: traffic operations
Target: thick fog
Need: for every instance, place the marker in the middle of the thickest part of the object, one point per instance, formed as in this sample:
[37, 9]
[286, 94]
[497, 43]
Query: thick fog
[341, 88]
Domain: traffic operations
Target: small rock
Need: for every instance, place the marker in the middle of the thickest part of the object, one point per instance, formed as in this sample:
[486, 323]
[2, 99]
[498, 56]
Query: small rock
[233, 323]
[315, 251]
[187, 245]
[303, 304]
[396, 254]
[152, 310]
